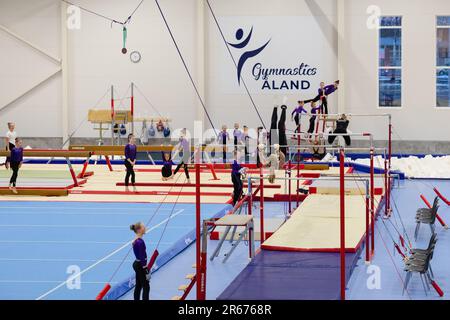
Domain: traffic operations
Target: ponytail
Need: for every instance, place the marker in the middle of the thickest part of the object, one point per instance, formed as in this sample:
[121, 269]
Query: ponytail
[136, 227]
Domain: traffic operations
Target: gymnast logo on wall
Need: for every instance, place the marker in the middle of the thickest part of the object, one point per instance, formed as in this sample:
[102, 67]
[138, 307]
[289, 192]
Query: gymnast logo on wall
[266, 75]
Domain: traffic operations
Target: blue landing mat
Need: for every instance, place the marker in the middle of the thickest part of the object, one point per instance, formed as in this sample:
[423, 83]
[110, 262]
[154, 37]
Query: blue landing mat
[278, 275]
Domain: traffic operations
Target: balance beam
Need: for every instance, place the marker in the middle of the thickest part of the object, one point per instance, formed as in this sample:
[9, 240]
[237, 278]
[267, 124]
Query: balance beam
[118, 150]
[148, 193]
[50, 153]
[184, 185]
[307, 166]
[43, 192]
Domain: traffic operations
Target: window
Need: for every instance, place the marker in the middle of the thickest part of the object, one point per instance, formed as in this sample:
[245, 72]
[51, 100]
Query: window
[443, 61]
[390, 62]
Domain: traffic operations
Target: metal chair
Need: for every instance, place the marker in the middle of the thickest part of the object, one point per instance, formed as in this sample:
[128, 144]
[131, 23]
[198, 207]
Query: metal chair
[418, 256]
[427, 211]
[426, 216]
[422, 268]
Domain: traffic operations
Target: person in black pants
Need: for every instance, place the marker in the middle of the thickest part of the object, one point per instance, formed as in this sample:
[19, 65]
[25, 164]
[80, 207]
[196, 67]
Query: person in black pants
[10, 139]
[312, 119]
[341, 128]
[166, 170]
[223, 139]
[245, 139]
[184, 147]
[282, 130]
[16, 160]
[140, 264]
[273, 135]
[130, 160]
[238, 186]
[323, 93]
[186, 171]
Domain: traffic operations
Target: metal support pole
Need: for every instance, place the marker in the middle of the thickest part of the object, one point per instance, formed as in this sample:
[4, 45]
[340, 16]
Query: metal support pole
[112, 115]
[342, 220]
[367, 223]
[290, 187]
[372, 201]
[298, 163]
[388, 197]
[72, 173]
[132, 107]
[251, 240]
[261, 205]
[386, 211]
[249, 212]
[200, 257]
[203, 261]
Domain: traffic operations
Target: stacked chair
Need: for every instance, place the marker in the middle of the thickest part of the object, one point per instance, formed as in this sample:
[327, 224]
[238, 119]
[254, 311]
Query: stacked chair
[419, 260]
[426, 216]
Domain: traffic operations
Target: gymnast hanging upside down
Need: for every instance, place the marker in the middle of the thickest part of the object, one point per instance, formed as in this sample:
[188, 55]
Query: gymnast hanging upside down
[274, 162]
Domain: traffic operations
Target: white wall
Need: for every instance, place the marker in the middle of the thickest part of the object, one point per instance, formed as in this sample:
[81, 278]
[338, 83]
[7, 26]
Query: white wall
[37, 113]
[315, 44]
[95, 61]
[418, 119]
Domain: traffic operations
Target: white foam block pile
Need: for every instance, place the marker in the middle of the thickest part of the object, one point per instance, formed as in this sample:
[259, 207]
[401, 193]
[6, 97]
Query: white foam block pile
[415, 167]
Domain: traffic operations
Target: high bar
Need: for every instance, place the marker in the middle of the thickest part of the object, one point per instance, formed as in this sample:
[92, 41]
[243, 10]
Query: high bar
[331, 147]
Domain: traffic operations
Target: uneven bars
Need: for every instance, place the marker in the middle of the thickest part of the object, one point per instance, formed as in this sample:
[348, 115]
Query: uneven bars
[331, 147]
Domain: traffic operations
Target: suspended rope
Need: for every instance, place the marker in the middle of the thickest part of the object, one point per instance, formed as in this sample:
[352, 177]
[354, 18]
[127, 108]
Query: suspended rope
[93, 12]
[113, 21]
[185, 66]
[84, 120]
[397, 247]
[134, 11]
[393, 262]
[155, 254]
[79, 125]
[235, 63]
[401, 236]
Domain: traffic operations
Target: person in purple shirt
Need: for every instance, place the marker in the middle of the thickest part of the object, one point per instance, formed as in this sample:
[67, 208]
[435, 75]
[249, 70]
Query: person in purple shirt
[184, 147]
[16, 160]
[223, 138]
[323, 93]
[237, 134]
[140, 264]
[166, 170]
[245, 140]
[297, 113]
[312, 119]
[236, 172]
[130, 160]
